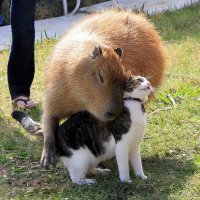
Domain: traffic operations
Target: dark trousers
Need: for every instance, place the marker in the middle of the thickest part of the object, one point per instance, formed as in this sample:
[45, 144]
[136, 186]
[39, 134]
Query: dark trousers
[21, 66]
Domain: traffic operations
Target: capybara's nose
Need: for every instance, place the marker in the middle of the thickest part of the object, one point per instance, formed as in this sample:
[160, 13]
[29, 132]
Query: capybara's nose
[110, 115]
[113, 112]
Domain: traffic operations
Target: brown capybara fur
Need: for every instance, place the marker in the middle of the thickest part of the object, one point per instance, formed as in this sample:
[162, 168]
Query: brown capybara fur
[86, 70]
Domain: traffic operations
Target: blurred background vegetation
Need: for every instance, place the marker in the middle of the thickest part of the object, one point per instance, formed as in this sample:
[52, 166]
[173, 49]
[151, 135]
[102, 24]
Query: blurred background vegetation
[46, 8]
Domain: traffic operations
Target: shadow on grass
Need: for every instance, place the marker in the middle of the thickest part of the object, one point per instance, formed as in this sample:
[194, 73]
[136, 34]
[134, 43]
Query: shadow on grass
[16, 145]
[16, 142]
[21, 173]
[165, 176]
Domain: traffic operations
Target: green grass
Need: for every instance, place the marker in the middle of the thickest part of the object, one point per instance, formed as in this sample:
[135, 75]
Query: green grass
[170, 149]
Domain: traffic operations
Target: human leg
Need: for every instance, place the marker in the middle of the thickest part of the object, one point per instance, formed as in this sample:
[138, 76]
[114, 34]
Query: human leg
[21, 66]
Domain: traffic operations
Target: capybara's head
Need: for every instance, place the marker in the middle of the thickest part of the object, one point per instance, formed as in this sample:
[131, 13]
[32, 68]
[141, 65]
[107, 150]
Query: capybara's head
[104, 81]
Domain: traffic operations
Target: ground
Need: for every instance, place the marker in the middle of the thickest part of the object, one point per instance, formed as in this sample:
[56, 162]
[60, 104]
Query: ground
[171, 146]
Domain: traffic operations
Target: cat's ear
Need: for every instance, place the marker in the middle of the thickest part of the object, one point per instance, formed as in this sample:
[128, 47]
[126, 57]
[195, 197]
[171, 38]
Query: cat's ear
[97, 51]
[128, 74]
[118, 51]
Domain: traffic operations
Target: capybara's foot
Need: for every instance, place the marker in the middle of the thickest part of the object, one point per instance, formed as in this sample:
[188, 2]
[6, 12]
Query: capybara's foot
[48, 158]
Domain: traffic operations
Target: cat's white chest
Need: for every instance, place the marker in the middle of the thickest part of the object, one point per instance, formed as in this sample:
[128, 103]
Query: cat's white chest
[137, 114]
[109, 149]
[138, 123]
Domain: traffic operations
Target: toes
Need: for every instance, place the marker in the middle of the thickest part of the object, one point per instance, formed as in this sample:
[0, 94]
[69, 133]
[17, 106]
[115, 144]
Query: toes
[48, 159]
[90, 181]
[30, 104]
[22, 102]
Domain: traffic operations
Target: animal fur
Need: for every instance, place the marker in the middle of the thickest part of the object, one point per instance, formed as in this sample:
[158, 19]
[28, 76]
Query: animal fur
[82, 141]
[86, 54]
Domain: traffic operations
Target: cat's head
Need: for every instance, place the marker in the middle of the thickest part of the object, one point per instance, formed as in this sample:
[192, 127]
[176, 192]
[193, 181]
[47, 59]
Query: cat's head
[137, 87]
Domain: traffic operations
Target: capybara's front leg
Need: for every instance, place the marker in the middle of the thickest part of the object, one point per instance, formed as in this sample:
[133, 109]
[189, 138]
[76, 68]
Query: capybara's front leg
[50, 125]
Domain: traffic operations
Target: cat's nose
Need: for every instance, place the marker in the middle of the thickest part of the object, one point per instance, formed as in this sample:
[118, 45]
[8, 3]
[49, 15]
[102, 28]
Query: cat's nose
[149, 85]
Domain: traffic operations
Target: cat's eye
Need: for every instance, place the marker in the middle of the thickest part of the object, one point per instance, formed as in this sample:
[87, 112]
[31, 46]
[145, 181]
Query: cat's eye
[100, 76]
[141, 80]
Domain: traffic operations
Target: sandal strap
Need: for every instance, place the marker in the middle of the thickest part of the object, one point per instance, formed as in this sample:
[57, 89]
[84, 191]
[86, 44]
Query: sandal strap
[17, 106]
[25, 101]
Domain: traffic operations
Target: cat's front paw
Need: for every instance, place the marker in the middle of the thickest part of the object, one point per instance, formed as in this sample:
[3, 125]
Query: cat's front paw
[85, 181]
[142, 176]
[129, 181]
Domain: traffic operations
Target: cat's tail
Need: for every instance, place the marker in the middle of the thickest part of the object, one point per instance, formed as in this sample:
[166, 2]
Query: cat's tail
[27, 122]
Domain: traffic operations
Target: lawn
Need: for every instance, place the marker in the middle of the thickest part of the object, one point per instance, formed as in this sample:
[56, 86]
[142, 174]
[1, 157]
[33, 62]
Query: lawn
[170, 149]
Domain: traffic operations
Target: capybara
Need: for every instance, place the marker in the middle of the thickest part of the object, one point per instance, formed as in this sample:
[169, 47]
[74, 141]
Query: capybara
[86, 70]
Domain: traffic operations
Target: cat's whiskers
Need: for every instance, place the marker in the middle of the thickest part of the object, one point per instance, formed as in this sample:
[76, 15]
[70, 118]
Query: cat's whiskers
[148, 76]
[153, 92]
[154, 89]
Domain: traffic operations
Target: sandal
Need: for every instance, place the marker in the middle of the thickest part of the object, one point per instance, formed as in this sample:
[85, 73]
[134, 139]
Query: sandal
[27, 122]
[23, 103]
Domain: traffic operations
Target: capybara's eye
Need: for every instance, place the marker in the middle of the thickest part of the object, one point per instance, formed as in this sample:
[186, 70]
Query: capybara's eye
[100, 76]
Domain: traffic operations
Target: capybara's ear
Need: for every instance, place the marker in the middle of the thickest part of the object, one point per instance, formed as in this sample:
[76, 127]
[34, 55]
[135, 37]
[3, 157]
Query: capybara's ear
[118, 51]
[97, 51]
[128, 74]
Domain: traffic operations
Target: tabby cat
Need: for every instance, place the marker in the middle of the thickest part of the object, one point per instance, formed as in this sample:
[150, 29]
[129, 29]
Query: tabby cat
[83, 141]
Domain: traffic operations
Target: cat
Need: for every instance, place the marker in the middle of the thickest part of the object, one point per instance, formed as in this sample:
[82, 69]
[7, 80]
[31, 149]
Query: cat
[83, 141]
